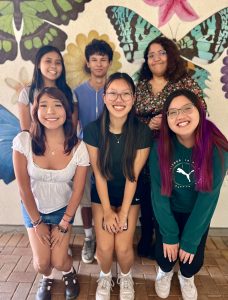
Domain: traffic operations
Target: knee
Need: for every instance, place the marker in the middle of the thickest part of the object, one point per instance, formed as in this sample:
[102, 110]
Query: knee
[42, 265]
[123, 250]
[104, 250]
[59, 262]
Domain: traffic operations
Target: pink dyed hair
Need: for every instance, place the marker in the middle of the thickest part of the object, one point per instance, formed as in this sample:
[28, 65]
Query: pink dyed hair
[207, 136]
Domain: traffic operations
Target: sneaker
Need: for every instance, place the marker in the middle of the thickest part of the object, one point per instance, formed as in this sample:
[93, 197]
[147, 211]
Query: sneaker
[163, 283]
[71, 285]
[127, 291]
[104, 287]
[44, 289]
[188, 288]
[88, 250]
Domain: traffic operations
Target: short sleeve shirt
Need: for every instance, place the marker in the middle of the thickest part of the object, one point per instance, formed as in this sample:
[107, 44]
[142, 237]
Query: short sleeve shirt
[143, 140]
[51, 189]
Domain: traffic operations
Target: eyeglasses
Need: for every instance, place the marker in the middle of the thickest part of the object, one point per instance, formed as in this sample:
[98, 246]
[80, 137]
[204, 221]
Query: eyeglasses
[185, 109]
[159, 54]
[125, 96]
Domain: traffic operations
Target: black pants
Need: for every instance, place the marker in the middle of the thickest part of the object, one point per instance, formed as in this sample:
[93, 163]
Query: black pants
[147, 216]
[187, 270]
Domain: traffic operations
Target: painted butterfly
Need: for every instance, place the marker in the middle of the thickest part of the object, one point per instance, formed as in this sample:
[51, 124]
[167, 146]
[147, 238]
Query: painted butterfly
[37, 19]
[9, 128]
[204, 44]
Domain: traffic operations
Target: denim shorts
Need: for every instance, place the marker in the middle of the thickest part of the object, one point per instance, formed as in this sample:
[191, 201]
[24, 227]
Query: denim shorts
[53, 218]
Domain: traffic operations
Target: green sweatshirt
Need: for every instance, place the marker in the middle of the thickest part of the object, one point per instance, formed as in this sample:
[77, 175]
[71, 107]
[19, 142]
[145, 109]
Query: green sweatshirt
[184, 197]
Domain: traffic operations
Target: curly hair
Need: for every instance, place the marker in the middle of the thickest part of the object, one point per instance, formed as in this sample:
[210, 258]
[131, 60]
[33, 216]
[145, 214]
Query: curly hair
[176, 67]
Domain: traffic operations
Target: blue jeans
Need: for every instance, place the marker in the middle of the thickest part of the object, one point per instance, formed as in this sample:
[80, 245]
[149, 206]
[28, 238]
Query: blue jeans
[53, 218]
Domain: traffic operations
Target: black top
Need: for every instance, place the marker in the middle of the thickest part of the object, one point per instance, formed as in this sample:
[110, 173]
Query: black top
[143, 139]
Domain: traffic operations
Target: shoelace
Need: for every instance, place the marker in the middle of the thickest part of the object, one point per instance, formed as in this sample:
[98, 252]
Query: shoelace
[88, 245]
[126, 283]
[105, 283]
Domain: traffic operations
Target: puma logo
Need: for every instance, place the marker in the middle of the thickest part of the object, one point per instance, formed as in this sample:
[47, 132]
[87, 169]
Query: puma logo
[179, 170]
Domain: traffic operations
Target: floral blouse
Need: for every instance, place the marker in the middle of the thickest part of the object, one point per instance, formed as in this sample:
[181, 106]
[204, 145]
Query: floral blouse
[149, 104]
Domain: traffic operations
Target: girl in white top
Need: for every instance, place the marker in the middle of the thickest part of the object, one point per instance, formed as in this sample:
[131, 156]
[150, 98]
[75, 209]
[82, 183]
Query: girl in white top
[50, 167]
[49, 71]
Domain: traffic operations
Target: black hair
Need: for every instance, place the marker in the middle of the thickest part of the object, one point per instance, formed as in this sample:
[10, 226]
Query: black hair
[99, 47]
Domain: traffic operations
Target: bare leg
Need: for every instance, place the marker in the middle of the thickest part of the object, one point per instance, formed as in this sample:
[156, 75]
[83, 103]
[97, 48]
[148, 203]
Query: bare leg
[105, 240]
[124, 241]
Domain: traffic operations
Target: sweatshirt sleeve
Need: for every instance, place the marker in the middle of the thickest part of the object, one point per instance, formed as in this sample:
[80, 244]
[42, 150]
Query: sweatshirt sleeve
[161, 204]
[201, 215]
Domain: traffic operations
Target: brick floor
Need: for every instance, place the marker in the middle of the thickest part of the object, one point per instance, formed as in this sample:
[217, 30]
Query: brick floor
[18, 280]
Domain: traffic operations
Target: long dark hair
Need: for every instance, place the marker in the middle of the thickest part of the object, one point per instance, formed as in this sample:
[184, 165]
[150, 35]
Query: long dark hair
[129, 133]
[38, 130]
[176, 66]
[37, 78]
[207, 135]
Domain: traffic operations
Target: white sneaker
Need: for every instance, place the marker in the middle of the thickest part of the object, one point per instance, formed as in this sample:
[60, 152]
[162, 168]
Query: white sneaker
[127, 291]
[163, 283]
[104, 287]
[188, 288]
[88, 250]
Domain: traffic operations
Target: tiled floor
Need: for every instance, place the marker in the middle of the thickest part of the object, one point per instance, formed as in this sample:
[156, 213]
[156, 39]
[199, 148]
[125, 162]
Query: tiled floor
[18, 281]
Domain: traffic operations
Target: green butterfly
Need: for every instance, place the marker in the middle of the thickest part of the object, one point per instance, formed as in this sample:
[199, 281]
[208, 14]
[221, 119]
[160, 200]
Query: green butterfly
[37, 19]
[204, 44]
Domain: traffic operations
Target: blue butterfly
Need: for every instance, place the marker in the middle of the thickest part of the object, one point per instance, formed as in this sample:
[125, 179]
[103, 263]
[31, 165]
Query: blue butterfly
[204, 44]
[9, 128]
[37, 19]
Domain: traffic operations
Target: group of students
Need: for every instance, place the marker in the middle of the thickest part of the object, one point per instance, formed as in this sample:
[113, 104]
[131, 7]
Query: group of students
[149, 147]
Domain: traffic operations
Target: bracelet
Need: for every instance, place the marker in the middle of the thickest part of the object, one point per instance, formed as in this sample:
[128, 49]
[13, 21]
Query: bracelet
[68, 215]
[62, 230]
[37, 222]
[26, 130]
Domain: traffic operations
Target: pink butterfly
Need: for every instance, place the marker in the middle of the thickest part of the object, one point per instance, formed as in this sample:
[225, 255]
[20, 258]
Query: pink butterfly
[169, 7]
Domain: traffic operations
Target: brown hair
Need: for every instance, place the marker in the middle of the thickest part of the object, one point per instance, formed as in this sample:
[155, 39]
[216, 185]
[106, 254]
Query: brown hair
[38, 130]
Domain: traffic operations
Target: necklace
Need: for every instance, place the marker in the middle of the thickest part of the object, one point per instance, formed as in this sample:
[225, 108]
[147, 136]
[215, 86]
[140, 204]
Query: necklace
[117, 138]
[53, 152]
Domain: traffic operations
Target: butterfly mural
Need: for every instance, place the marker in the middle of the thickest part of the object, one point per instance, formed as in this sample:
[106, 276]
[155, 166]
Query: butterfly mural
[9, 128]
[204, 44]
[38, 20]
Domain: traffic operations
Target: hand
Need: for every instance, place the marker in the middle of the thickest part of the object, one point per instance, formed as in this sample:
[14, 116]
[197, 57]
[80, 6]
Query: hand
[170, 251]
[185, 256]
[122, 220]
[155, 122]
[56, 237]
[111, 221]
[43, 233]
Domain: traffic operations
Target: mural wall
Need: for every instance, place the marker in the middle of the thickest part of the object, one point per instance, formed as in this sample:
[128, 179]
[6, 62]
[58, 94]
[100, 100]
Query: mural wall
[200, 28]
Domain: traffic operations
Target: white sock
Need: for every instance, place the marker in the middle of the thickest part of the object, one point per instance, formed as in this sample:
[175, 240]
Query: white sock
[102, 274]
[89, 232]
[49, 277]
[71, 270]
[125, 274]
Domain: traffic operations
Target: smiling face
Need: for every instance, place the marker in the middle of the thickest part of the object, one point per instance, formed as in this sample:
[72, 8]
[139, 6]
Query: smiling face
[157, 60]
[119, 98]
[186, 119]
[98, 65]
[50, 67]
[51, 112]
